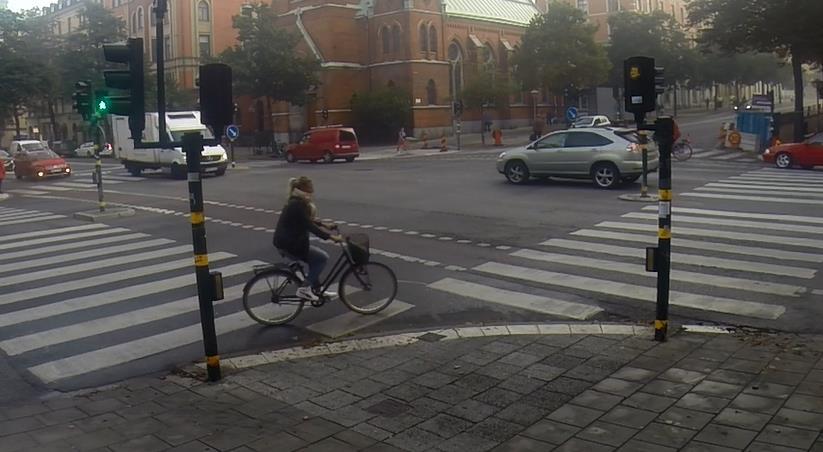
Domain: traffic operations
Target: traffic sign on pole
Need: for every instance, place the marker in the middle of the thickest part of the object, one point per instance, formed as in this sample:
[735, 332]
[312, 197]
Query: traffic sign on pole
[571, 114]
[232, 132]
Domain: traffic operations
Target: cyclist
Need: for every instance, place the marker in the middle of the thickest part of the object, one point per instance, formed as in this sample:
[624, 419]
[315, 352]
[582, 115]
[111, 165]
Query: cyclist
[291, 237]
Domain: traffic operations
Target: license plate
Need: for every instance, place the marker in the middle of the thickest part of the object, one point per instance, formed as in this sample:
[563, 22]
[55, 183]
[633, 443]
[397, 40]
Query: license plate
[211, 170]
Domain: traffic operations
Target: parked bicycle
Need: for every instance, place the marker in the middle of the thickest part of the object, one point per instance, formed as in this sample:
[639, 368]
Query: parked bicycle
[365, 287]
[682, 150]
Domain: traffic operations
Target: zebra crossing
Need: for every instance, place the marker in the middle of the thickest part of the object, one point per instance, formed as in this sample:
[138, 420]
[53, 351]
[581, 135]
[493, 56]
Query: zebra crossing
[751, 262]
[80, 180]
[727, 155]
[87, 298]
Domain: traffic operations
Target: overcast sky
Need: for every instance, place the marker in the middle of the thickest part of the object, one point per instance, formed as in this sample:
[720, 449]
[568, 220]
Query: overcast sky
[18, 5]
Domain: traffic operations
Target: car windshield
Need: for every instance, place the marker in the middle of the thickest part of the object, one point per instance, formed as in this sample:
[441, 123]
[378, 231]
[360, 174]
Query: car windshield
[4, 155]
[177, 135]
[42, 154]
[33, 147]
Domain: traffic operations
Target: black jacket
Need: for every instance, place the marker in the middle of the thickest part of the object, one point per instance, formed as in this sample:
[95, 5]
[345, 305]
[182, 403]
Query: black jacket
[293, 227]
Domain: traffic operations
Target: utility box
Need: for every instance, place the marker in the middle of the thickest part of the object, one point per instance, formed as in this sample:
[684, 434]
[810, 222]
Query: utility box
[758, 124]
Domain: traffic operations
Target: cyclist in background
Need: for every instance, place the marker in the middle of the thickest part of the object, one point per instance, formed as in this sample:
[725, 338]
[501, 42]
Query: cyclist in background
[291, 237]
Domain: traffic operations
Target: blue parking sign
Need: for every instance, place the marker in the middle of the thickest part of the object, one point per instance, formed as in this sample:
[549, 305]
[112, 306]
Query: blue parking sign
[232, 132]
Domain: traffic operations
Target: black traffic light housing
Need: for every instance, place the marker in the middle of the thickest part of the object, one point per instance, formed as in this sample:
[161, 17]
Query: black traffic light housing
[83, 99]
[131, 101]
[216, 100]
[457, 108]
[643, 82]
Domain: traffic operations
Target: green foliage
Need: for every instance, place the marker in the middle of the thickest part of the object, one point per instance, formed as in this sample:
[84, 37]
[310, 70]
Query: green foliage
[558, 49]
[380, 113]
[177, 98]
[264, 62]
[485, 89]
[22, 71]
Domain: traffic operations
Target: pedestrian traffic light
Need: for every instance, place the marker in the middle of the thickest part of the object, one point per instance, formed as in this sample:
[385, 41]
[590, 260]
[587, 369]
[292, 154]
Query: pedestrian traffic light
[101, 103]
[131, 101]
[640, 77]
[83, 99]
[458, 108]
[659, 80]
[216, 102]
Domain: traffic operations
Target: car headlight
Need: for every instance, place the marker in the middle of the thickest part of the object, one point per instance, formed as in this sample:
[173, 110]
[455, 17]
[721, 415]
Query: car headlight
[502, 155]
[767, 151]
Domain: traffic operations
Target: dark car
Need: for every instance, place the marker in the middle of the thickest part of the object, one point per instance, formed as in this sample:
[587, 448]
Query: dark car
[40, 163]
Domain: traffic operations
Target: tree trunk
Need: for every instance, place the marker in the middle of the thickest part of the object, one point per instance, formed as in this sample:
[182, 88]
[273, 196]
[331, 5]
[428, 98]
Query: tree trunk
[17, 123]
[53, 119]
[797, 70]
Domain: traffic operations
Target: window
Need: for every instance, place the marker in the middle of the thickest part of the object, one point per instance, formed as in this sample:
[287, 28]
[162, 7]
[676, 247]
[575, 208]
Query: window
[395, 38]
[455, 69]
[586, 139]
[385, 36]
[432, 39]
[431, 92]
[139, 19]
[583, 5]
[203, 14]
[554, 141]
[167, 48]
[614, 5]
[424, 38]
[133, 24]
[205, 45]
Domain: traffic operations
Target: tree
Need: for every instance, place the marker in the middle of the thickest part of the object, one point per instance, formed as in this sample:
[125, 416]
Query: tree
[380, 113]
[264, 61]
[485, 89]
[789, 28]
[558, 49]
[177, 98]
[20, 73]
[656, 35]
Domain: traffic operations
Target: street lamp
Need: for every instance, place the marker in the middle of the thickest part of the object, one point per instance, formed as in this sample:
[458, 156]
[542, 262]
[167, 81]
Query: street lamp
[535, 93]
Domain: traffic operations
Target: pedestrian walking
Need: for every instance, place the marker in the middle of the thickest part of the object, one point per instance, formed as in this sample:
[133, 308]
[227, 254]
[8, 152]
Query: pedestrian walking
[401, 140]
[2, 173]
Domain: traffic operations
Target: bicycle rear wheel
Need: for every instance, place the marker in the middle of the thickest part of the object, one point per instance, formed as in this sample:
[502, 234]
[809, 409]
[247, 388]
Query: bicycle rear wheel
[270, 297]
[368, 289]
[682, 151]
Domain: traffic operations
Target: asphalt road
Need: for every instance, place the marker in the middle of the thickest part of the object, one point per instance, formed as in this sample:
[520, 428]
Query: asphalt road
[98, 303]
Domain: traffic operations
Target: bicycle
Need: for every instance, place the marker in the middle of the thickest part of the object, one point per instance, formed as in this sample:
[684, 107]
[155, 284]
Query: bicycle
[682, 150]
[365, 287]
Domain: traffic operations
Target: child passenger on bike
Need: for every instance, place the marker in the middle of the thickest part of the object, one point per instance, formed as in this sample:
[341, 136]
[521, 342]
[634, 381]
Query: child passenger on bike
[291, 237]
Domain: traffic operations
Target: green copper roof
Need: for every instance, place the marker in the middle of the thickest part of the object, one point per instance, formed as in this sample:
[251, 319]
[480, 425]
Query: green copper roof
[516, 12]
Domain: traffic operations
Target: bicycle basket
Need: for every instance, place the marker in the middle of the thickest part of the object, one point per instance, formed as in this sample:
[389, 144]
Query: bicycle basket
[358, 245]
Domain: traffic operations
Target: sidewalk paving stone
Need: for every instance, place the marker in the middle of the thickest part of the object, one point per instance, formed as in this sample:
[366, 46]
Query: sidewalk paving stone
[730, 392]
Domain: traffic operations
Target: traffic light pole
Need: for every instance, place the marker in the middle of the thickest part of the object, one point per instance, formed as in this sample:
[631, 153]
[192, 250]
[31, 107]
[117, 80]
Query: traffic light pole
[207, 284]
[160, 11]
[664, 130]
[98, 165]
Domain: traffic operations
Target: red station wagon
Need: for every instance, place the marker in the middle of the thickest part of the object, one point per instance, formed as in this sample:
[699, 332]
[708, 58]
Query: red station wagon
[807, 154]
[327, 144]
[40, 163]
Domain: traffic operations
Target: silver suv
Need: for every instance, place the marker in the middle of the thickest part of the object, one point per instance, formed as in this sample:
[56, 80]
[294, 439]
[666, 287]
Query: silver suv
[608, 156]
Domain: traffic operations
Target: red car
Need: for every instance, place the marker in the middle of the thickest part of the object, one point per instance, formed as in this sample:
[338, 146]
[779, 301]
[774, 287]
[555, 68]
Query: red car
[39, 163]
[807, 154]
[327, 144]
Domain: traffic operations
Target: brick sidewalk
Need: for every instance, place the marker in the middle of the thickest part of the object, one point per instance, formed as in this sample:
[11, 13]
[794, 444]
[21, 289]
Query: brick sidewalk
[563, 392]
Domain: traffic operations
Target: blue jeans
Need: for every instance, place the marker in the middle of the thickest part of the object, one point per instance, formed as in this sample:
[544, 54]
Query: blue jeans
[317, 259]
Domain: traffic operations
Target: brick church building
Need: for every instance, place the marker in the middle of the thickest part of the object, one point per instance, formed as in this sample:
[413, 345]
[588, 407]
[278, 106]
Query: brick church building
[429, 48]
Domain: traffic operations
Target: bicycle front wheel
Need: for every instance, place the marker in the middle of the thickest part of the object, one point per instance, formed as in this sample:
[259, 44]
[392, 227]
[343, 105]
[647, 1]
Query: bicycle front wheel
[682, 151]
[271, 297]
[368, 289]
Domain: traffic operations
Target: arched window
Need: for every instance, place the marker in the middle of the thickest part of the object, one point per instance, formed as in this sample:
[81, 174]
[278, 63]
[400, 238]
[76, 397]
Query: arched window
[431, 92]
[395, 38]
[432, 39]
[385, 35]
[488, 60]
[455, 69]
[134, 22]
[203, 14]
[424, 37]
[140, 19]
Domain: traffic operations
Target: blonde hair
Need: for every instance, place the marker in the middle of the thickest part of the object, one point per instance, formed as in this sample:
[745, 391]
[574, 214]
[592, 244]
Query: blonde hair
[301, 183]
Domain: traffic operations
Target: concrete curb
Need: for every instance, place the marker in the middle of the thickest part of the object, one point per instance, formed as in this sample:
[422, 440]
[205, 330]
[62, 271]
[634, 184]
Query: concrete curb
[95, 216]
[444, 334]
[638, 198]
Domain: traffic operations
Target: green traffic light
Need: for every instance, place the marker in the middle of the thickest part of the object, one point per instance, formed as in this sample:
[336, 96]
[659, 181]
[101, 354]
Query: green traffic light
[102, 106]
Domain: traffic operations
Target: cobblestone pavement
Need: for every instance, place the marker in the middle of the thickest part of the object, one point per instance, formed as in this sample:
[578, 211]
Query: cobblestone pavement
[752, 392]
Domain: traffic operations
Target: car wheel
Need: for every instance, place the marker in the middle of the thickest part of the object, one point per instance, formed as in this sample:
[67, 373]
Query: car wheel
[133, 170]
[783, 160]
[290, 157]
[517, 172]
[349, 159]
[178, 171]
[328, 158]
[605, 175]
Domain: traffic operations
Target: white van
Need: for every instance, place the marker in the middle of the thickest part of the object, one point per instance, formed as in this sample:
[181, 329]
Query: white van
[214, 159]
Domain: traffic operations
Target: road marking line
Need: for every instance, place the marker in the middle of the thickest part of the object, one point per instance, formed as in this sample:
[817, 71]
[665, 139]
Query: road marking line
[772, 181]
[73, 332]
[687, 259]
[760, 225]
[761, 216]
[529, 302]
[445, 239]
[428, 236]
[27, 192]
[758, 192]
[767, 188]
[59, 238]
[754, 198]
[96, 252]
[349, 322]
[94, 265]
[99, 280]
[728, 156]
[782, 175]
[122, 178]
[676, 275]
[24, 235]
[702, 245]
[31, 220]
[633, 292]
[111, 296]
[464, 241]
[788, 173]
[21, 215]
[797, 241]
[50, 188]
[710, 154]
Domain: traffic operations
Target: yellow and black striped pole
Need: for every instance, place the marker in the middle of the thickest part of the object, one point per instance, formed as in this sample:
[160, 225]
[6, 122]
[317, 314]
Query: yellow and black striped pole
[664, 131]
[193, 147]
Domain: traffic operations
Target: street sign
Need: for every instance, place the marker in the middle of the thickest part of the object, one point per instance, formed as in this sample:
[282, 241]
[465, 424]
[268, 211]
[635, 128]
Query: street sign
[232, 132]
[571, 114]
